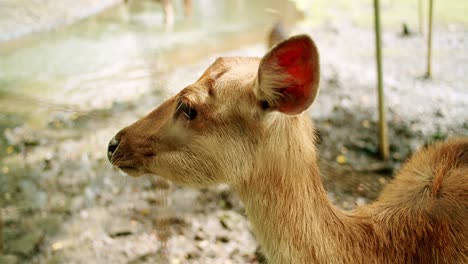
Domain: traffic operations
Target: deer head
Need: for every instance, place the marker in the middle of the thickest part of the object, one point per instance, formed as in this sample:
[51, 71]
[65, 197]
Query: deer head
[210, 132]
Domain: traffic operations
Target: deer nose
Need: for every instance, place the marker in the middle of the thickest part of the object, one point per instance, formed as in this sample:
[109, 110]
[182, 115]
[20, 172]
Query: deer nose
[113, 144]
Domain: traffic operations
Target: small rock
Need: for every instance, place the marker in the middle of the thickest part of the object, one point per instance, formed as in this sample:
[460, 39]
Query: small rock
[361, 201]
[60, 245]
[224, 224]
[382, 180]
[193, 255]
[224, 201]
[121, 227]
[366, 124]
[222, 239]
[362, 188]
[439, 113]
[203, 245]
[341, 159]
[200, 235]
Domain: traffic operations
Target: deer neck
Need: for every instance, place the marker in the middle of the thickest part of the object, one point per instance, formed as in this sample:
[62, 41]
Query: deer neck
[285, 200]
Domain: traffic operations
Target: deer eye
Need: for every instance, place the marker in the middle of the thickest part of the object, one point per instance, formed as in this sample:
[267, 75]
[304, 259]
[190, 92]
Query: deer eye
[186, 110]
[264, 104]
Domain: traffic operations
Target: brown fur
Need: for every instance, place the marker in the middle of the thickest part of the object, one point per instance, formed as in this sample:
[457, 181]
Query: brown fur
[269, 159]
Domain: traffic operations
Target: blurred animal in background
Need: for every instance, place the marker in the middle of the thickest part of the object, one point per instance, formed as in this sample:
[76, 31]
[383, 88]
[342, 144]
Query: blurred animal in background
[168, 9]
[277, 34]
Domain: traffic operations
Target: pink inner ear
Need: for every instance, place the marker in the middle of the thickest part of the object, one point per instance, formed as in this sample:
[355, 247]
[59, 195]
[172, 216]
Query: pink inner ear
[289, 55]
[297, 60]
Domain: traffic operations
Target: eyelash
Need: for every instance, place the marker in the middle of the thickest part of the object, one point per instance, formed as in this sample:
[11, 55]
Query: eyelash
[189, 112]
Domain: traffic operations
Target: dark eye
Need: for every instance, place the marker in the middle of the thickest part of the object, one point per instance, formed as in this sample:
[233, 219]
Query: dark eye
[264, 104]
[188, 111]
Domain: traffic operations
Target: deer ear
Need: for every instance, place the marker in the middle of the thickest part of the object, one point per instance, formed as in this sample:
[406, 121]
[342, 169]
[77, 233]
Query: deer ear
[288, 75]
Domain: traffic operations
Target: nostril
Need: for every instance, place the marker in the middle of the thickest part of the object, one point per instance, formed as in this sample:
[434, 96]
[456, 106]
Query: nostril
[113, 144]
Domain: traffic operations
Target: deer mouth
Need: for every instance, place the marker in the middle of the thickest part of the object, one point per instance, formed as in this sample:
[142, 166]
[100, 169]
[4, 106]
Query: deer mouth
[132, 171]
[133, 166]
[127, 167]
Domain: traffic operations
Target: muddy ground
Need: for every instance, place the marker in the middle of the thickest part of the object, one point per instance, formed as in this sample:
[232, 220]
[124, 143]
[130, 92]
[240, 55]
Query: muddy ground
[63, 203]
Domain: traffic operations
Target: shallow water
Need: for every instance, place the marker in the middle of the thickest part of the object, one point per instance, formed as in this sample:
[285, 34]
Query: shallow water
[66, 91]
[119, 54]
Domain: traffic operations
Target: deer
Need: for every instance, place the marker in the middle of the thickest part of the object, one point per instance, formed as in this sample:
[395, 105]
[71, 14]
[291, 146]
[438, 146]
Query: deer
[168, 10]
[276, 34]
[244, 122]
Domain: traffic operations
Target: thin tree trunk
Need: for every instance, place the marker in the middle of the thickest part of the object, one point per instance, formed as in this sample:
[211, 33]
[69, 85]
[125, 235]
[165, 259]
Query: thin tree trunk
[421, 16]
[383, 135]
[429, 41]
[1, 231]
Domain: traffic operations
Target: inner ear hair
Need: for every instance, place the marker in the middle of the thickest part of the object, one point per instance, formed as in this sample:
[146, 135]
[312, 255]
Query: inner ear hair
[271, 83]
[288, 75]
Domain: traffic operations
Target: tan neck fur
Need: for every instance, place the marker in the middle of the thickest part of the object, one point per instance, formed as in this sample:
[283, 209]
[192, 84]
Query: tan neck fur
[286, 202]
